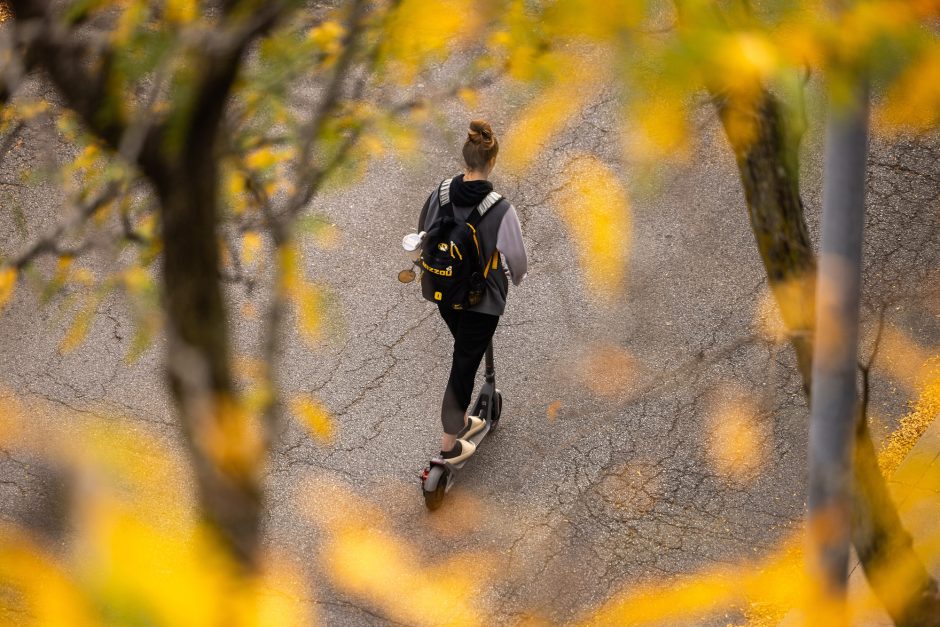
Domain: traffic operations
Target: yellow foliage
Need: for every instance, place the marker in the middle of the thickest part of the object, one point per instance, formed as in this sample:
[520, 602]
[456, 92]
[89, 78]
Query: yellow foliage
[906, 361]
[30, 109]
[232, 436]
[181, 11]
[914, 100]
[736, 439]
[597, 19]
[251, 246]
[309, 302]
[418, 31]
[533, 133]
[924, 411]
[46, 593]
[370, 562]
[136, 551]
[261, 159]
[79, 328]
[745, 57]
[659, 128]
[328, 36]
[8, 278]
[136, 280]
[314, 416]
[779, 581]
[607, 370]
[787, 305]
[594, 207]
[235, 187]
[307, 298]
[134, 13]
[469, 97]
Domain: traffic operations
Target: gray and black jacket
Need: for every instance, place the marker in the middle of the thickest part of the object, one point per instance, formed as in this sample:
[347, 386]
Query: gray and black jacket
[499, 233]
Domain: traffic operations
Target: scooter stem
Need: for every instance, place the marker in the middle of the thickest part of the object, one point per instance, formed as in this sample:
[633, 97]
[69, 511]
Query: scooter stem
[490, 373]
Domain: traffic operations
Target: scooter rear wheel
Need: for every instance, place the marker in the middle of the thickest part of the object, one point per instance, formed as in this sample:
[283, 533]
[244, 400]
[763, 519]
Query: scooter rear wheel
[437, 477]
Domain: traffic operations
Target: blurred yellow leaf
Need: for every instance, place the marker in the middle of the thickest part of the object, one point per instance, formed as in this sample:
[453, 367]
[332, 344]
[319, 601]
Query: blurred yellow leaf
[468, 97]
[590, 18]
[232, 435]
[30, 109]
[544, 120]
[36, 587]
[167, 576]
[251, 245]
[136, 280]
[366, 559]
[79, 329]
[552, 411]
[914, 100]
[328, 36]
[316, 418]
[659, 128]
[904, 359]
[309, 302]
[607, 370]
[261, 159]
[276, 596]
[744, 58]
[787, 305]
[779, 580]
[8, 278]
[736, 439]
[924, 411]
[419, 31]
[134, 13]
[308, 299]
[594, 207]
[181, 11]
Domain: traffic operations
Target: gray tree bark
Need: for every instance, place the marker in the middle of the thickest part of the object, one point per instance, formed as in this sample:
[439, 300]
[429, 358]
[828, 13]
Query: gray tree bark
[834, 403]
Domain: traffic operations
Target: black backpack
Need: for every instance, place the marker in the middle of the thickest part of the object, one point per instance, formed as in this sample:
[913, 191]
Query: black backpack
[451, 254]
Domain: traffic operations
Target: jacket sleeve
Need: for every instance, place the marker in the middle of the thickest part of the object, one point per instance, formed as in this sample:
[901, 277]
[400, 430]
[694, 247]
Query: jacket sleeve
[510, 244]
[424, 214]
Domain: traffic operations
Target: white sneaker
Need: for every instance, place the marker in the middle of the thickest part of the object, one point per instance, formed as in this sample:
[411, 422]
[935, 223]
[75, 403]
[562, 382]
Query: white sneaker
[466, 450]
[474, 426]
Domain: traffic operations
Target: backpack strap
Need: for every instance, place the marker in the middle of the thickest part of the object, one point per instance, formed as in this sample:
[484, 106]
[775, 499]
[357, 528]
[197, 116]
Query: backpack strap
[443, 197]
[485, 205]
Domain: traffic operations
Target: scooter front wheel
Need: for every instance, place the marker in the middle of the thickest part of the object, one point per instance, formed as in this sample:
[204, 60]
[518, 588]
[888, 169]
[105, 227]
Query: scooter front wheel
[434, 486]
[497, 410]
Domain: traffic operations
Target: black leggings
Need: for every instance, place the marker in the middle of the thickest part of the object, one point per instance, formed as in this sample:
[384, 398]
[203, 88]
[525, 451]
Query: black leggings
[472, 333]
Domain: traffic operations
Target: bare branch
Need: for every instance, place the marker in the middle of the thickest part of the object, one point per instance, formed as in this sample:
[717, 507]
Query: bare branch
[49, 243]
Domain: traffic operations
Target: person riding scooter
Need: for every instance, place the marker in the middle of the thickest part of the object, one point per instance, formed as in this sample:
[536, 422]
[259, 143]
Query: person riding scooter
[471, 230]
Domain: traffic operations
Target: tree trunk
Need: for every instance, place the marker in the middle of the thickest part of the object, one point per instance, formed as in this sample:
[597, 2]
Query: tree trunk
[227, 448]
[178, 154]
[218, 435]
[771, 191]
[834, 403]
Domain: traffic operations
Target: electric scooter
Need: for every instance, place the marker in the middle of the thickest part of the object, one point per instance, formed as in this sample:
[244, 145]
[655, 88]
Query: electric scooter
[440, 474]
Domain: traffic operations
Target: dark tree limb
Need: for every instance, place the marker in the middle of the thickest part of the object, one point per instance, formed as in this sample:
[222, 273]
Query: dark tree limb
[777, 218]
[185, 178]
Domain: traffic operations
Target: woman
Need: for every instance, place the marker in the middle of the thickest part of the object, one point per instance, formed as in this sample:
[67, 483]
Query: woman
[473, 327]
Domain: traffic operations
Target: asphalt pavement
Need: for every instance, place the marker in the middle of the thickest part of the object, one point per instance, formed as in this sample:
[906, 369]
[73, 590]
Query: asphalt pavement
[610, 467]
